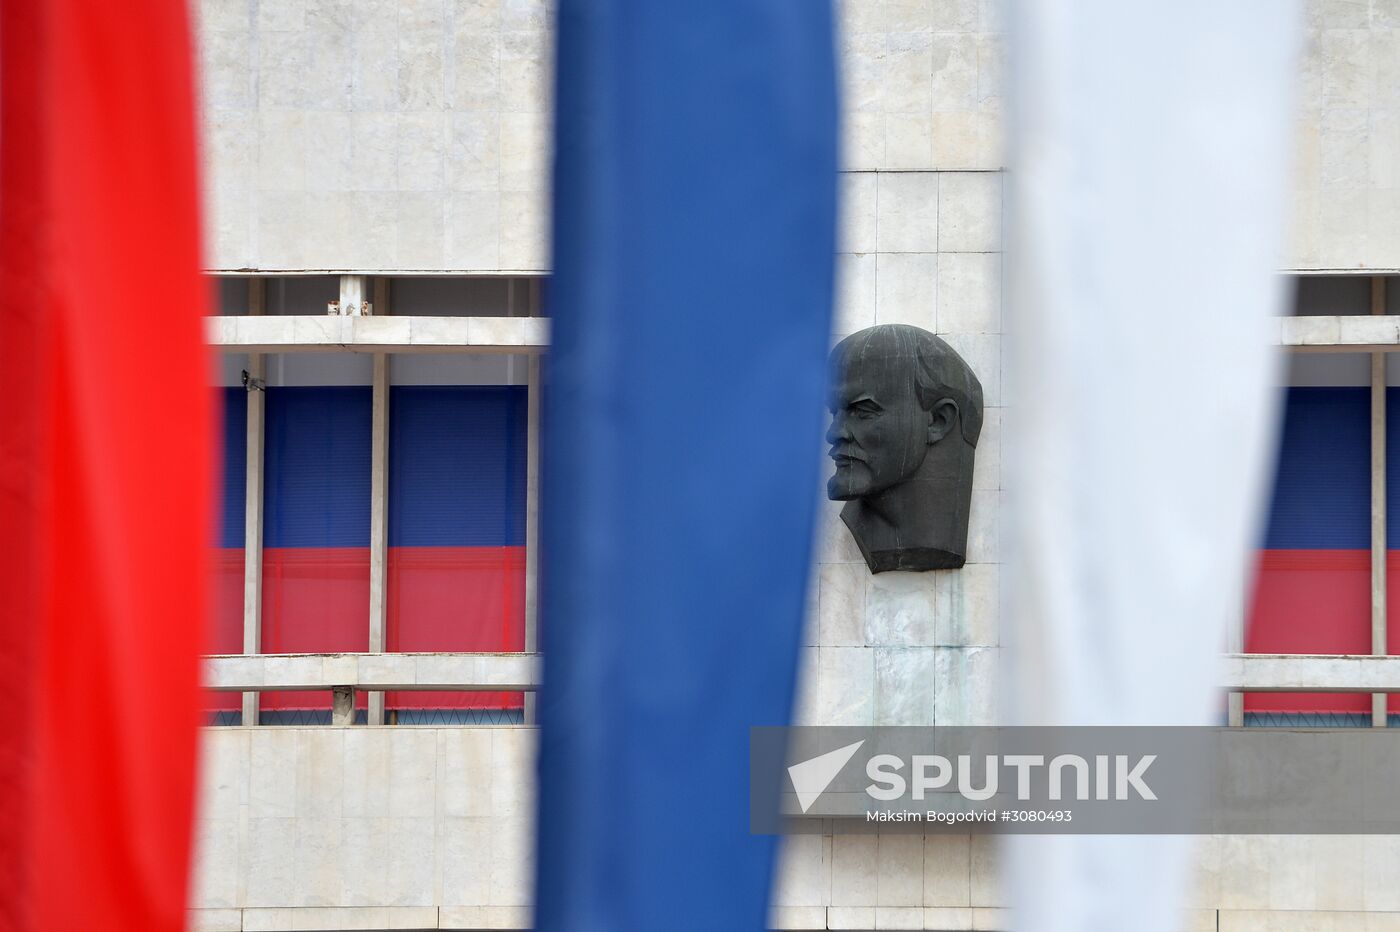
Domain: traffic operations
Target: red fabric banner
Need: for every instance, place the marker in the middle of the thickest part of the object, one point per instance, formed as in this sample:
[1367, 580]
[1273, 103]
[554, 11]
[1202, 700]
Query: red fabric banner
[456, 599]
[100, 316]
[1310, 602]
[315, 601]
[1317, 602]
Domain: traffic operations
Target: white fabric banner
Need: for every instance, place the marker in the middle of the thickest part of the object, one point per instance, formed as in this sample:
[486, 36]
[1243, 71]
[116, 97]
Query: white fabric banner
[1150, 147]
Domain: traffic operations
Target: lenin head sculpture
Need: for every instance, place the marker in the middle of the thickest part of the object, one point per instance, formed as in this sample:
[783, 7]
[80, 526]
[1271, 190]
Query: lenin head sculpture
[906, 412]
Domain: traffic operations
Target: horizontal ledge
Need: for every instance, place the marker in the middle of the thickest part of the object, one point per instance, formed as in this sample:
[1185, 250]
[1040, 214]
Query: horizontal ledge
[321, 333]
[1341, 334]
[525, 335]
[1369, 273]
[507, 672]
[384, 273]
[1313, 673]
[301, 271]
[1337, 673]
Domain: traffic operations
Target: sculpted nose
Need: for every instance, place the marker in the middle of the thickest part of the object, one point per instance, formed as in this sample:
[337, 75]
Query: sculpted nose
[838, 430]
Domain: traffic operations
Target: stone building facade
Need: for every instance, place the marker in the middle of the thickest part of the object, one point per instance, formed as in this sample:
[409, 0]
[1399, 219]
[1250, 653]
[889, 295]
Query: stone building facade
[406, 140]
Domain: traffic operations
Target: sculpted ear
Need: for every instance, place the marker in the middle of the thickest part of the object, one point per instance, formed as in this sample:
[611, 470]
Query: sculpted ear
[941, 419]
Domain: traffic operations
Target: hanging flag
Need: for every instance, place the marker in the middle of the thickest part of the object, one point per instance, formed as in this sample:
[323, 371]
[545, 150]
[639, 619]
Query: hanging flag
[105, 491]
[1147, 201]
[694, 199]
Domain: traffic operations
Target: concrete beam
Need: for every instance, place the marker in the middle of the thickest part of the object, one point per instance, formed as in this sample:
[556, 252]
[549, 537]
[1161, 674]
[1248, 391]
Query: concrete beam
[508, 672]
[354, 295]
[343, 705]
[253, 502]
[529, 335]
[378, 522]
[1379, 718]
[532, 517]
[1311, 673]
[1350, 334]
[378, 334]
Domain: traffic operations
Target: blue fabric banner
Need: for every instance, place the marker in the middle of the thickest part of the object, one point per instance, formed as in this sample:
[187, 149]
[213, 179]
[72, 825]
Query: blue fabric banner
[317, 467]
[694, 232]
[457, 466]
[1322, 477]
[234, 406]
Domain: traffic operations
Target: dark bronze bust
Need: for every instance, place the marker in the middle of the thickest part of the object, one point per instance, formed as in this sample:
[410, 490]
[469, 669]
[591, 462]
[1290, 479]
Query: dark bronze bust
[906, 411]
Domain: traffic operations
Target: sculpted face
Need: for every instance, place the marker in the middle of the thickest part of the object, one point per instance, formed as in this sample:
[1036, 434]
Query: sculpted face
[906, 411]
[879, 433]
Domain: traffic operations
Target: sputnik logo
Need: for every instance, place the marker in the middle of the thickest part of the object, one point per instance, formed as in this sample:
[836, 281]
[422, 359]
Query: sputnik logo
[811, 777]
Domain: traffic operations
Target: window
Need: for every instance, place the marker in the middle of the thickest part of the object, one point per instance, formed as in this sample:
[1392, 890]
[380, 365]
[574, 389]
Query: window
[1312, 591]
[225, 635]
[455, 509]
[315, 587]
[456, 528]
